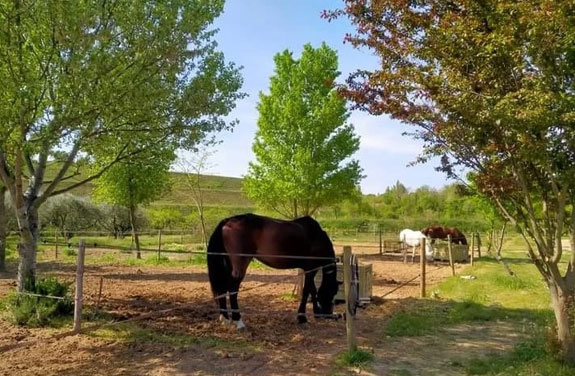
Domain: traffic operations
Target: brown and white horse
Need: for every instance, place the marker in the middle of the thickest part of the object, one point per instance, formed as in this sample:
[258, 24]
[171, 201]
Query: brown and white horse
[441, 232]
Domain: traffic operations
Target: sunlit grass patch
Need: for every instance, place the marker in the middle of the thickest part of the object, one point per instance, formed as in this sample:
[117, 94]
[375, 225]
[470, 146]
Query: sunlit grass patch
[132, 333]
[355, 358]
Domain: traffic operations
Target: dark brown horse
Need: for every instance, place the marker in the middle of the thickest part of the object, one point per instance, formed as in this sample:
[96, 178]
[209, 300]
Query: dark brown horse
[300, 243]
[440, 232]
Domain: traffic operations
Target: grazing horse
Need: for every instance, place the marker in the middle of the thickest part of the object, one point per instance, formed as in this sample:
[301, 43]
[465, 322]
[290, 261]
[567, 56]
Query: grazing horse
[280, 244]
[413, 239]
[440, 232]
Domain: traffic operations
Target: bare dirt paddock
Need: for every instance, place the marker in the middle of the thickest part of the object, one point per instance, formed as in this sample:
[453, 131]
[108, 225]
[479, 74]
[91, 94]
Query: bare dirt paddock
[188, 340]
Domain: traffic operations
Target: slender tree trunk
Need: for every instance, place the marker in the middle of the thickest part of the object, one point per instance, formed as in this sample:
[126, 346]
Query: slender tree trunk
[498, 246]
[135, 231]
[28, 246]
[490, 239]
[564, 308]
[2, 228]
[203, 225]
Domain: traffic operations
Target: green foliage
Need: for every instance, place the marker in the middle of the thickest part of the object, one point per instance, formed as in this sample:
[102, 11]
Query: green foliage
[355, 358]
[98, 82]
[70, 252]
[399, 208]
[137, 180]
[69, 213]
[165, 218]
[37, 311]
[303, 142]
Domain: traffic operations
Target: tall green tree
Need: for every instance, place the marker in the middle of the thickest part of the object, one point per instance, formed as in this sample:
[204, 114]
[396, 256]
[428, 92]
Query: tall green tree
[489, 85]
[102, 80]
[136, 181]
[303, 144]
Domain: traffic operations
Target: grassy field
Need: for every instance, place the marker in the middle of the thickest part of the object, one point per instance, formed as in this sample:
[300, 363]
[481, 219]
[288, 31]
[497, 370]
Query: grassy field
[492, 296]
[219, 191]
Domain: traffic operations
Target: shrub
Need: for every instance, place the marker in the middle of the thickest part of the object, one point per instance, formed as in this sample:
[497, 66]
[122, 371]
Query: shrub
[39, 311]
[69, 251]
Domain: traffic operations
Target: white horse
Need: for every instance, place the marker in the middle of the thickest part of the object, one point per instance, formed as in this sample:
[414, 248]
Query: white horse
[413, 239]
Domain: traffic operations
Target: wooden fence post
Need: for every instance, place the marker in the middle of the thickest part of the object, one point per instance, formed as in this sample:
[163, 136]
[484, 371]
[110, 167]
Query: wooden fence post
[79, 287]
[349, 316]
[56, 249]
[100, 293]
[159, 244]
[422, 267]
[450, 251]
[380, 243]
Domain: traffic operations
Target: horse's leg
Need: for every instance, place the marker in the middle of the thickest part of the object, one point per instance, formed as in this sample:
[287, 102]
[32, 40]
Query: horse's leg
[223, 308]
[301, 318]
[413, 253]
[238, 275]
[313, 292]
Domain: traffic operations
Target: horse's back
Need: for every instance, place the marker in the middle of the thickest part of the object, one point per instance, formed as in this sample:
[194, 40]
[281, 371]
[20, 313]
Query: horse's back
[268, 239]
[411, 237]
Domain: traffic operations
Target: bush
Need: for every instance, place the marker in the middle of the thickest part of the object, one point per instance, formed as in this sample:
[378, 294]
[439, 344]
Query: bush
[38, 311]
[69, 251]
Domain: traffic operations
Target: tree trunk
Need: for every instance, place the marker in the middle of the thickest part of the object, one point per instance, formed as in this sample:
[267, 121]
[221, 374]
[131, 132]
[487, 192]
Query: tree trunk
[27, 247]
[498, 246]
[564, 308]
[2, 228]
[135, 231]
[203, 225]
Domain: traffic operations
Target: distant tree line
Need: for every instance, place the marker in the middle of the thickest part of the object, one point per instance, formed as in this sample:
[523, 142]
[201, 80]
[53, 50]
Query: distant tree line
[398, 207]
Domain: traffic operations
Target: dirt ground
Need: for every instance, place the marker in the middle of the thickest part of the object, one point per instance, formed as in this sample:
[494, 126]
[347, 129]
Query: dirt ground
[272, 344]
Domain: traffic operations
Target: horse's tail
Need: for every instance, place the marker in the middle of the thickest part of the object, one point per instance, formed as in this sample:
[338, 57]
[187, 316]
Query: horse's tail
[218, 265]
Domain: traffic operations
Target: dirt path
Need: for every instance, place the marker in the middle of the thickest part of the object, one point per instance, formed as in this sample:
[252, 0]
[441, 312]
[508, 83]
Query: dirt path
[190, 340]
[444, 353]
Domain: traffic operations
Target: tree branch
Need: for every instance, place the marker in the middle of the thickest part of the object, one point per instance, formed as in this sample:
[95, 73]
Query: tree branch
[63, 170]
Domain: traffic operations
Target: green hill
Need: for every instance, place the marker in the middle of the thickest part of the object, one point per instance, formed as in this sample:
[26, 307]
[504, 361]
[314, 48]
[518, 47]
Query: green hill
[219, 191]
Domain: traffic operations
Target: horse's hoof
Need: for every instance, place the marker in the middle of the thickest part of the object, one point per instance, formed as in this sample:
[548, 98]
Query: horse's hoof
[239, 324]
[224, 320]
[301, 319]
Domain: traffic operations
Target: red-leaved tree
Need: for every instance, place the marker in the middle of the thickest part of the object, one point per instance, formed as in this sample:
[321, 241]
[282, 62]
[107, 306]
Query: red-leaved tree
[489, 86]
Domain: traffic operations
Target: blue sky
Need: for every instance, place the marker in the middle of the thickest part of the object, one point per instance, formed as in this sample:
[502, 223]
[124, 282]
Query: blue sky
[251, 33]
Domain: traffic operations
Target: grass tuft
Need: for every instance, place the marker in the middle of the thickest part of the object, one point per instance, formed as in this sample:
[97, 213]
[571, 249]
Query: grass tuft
[355, 358]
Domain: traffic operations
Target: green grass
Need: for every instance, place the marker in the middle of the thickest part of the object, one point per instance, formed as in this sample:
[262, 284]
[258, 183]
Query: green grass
[132, 333]
[354, 358]
[528, 358]
[426, 317]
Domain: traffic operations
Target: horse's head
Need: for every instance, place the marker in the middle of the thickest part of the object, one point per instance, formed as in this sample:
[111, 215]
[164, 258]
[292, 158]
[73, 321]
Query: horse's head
[328, 289]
